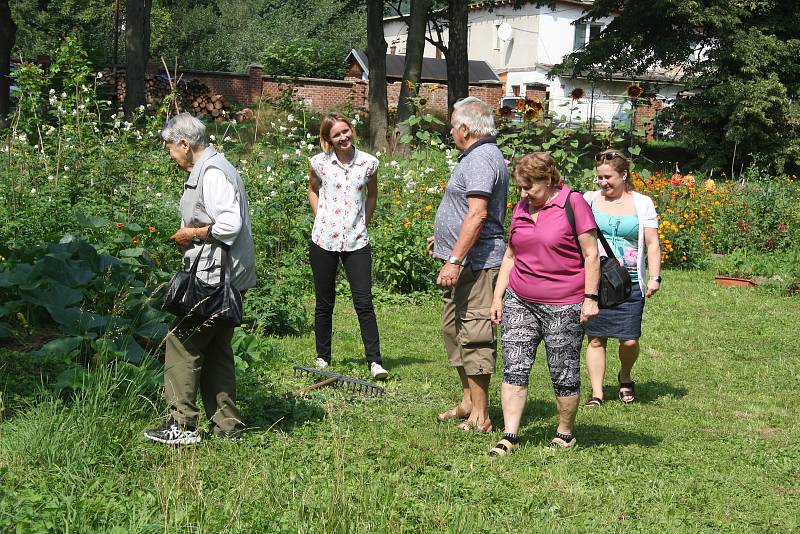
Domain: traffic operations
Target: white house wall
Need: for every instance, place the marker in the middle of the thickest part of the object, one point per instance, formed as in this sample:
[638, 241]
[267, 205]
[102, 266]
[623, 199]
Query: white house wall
[540, 38]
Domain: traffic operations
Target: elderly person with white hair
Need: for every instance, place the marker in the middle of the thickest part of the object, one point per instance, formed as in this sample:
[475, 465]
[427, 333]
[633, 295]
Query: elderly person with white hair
[199, 354]
[468, 238]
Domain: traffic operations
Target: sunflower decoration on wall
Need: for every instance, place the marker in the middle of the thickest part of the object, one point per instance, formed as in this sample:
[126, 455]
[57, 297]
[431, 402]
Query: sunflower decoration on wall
[577, 93]
[635, 91]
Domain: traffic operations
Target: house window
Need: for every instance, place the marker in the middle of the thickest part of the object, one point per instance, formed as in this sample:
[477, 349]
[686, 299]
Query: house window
[580, 36]
[515, 89]
[594, 31]
[497, 42]
[393, 50]
[438, 53]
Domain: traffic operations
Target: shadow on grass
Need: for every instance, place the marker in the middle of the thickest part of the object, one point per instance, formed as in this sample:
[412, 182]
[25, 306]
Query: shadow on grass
[263, 408]
[24, 379]
[594, 435]
[647, 391]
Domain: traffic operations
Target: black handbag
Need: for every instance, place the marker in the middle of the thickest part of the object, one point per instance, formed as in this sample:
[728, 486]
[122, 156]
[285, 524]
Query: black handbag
[187, 296]
[615, 282]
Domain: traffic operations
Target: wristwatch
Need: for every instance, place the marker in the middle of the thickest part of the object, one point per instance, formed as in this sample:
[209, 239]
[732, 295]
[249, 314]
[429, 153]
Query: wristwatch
[453, 260]
[592, 296]
[656, 279]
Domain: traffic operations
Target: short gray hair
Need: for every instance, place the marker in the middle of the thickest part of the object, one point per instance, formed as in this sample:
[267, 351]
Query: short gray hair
[184, 126]
[476, 115]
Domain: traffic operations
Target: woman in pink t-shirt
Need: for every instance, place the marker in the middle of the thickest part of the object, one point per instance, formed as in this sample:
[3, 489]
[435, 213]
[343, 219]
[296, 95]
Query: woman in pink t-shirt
[549, 277]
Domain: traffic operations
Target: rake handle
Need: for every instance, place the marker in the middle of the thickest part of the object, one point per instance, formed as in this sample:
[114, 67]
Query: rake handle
[312, 387]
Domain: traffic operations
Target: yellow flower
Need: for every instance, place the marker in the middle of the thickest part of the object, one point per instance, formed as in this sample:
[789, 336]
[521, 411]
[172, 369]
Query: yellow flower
[428, 207]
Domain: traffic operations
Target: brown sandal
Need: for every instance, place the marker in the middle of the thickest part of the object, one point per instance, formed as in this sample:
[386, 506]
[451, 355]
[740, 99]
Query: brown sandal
[471, 426]
[453, 413]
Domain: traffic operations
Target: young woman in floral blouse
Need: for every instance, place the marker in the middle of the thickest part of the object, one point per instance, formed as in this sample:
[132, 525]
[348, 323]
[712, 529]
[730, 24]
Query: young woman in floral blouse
[343, 192]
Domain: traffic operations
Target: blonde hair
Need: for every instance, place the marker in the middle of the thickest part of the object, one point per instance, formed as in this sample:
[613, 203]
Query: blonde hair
[619, 162]
[537, 167]
[325, 130]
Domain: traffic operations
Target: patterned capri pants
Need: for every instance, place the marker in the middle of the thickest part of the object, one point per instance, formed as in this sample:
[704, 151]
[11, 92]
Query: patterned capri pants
[525, 325]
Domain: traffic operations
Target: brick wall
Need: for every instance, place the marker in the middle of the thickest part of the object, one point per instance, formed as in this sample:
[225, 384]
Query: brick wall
[319, 94]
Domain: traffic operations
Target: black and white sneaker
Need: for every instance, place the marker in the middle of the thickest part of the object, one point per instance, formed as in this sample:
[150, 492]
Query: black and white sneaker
[171, 433]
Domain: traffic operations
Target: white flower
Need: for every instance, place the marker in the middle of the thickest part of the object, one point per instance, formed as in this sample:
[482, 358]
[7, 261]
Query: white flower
[212, 137]
[297, 152]
[99, 75]
[66, 168]
[108, 102]
[285, 157]
[158, 195]
[63, 95]
[273, 194]
[116, 124]
[227, 138]
[52, 91]
[290, 117]
[269, 169]
[53, 100]
[378, 154]
[33, 190]
[50, 178]
[309, 136]
[282, 128]
[291, 182]
[140, 108]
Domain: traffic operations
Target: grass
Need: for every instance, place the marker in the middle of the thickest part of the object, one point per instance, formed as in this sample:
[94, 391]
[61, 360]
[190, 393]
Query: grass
[711, 445]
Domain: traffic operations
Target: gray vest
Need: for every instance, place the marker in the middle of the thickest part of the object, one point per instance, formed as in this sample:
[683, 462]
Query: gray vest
[194, 214]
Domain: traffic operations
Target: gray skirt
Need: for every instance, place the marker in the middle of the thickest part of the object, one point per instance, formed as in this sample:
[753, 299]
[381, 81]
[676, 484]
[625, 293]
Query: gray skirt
[620, 322]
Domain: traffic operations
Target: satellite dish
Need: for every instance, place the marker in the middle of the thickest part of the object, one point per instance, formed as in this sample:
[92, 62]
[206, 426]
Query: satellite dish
[504, 31]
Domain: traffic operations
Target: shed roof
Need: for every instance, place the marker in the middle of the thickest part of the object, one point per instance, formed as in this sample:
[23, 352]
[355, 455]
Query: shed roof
[433, 70]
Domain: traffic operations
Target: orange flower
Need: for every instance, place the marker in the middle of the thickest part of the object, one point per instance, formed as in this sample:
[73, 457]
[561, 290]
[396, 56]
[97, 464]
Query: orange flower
[151, 228]
[120, 225]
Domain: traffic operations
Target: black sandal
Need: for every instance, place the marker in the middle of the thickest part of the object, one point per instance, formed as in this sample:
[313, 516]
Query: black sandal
[626, 386]
[593, 402]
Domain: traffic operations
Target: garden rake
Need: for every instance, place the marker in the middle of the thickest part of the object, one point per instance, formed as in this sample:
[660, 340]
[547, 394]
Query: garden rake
[354, 385]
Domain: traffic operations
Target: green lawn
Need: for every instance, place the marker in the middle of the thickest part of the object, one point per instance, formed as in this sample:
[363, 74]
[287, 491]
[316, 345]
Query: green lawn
[712, 443]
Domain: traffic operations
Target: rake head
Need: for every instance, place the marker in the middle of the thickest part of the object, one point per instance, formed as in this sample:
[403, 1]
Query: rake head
[349, 383]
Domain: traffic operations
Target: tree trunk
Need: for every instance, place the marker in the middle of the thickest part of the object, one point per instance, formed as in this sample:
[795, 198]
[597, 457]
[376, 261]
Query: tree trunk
[137, 51]
[457, 57]
[412, 71]
[376, 55]
[8, 34]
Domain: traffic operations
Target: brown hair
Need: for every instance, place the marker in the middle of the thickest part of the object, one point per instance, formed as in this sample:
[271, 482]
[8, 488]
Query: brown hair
[325, 129]
[619, 162]
[537, 167]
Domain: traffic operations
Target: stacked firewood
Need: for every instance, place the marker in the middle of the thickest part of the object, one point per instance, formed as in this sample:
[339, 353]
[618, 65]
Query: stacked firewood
[194, 96]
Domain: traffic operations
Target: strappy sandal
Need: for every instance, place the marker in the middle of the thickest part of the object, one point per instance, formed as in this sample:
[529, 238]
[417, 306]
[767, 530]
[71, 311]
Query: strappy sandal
[453, 413]
[626, 386]
[470, 426]
[559, 442]
[593, 402]
[502, 448]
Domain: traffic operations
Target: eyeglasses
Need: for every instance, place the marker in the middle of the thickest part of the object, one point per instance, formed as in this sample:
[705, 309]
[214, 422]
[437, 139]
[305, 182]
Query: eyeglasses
[608, 155]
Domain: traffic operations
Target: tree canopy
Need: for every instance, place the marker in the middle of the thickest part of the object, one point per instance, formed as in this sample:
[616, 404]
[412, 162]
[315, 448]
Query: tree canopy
[740, 61]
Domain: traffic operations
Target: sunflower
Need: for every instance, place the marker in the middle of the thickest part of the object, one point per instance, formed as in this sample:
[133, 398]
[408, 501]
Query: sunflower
[529, 114]
[536, 106]
[577, 93]
[634, 90]
[520, 104]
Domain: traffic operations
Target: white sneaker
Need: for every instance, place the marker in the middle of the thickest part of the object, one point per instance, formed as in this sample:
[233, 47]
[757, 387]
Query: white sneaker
[377, 371]
[320, 363]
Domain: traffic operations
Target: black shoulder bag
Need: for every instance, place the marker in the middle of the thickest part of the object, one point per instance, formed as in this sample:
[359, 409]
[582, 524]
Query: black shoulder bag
[615, 282]
[187, 296]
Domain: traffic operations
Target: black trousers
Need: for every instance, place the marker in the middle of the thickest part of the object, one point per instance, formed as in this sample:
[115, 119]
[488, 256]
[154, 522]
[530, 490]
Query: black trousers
[358, 268]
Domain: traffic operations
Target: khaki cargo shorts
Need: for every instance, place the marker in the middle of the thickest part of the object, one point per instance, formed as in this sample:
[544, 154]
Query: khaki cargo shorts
[469, 335]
